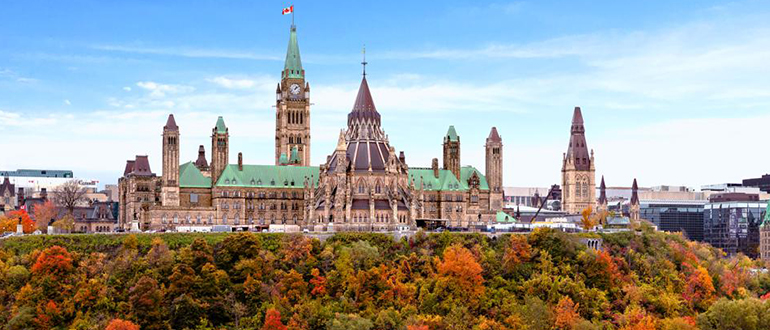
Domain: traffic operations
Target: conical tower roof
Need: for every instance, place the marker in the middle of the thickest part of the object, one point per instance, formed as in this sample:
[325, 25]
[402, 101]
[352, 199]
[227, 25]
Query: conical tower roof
[451, 134]
[363, 108]
[602, 192]
[221, 127]
[171, 124]
[292, 68]
[634, 193]
[578, 149]
[493, 136]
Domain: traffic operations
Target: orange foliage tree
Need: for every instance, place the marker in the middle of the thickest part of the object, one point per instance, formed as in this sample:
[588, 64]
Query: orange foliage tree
[118, 324]
[54, 261]
[699, 291]
[518, 251]
[586, 220]
[461, 273]
[273, 320]
[11, 219]
[44, 213]
[566, 313]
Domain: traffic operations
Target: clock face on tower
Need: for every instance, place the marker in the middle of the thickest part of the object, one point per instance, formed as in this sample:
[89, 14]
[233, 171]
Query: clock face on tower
[294, 89]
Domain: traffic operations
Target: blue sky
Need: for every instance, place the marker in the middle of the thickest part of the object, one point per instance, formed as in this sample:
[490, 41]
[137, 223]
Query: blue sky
[673, 92]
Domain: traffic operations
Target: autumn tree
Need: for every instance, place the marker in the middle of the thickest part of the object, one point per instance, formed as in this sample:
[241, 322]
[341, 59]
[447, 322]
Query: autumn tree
[65, 224]
[118, 324]
[273, 320]
[699, 290]
[517, 252]
[44, 214]
[460, 275]
[69, 194]
[586, 220]
[55, 262]
[566, 313]
[146, 299]
[11, 219]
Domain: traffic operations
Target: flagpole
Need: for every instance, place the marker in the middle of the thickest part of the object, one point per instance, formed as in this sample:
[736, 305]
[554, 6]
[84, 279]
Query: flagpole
[292, 16]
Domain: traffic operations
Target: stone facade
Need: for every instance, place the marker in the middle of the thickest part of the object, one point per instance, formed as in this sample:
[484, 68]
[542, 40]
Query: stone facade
[578, 172]
[292, 109]
[764, 235]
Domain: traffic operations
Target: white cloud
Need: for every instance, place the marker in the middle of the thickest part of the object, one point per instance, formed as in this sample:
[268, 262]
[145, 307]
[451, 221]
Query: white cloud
[67, 102]
[127, 89]
[160, 90]
[243, 83]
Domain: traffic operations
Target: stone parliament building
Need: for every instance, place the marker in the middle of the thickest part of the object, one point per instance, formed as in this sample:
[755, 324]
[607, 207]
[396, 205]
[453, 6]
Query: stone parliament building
[364, 185]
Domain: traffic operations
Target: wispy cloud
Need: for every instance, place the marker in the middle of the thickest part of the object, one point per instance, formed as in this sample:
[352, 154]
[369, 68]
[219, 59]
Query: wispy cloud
[188, 52]
[160, 90]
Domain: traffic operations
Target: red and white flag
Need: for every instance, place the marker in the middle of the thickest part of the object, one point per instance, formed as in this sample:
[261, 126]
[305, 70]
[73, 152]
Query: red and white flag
[288, 10]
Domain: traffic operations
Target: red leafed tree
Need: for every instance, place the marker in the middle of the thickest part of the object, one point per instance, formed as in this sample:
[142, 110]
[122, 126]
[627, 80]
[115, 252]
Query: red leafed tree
[44, 213]
[318, 282]
[11, 219]
[273, 320]
[699, 291]
[566, 313]
[118, 324]
[417, 327]
[460, 271]
[54, 261]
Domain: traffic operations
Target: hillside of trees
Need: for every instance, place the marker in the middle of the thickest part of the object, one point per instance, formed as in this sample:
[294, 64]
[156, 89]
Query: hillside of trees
[544, 280]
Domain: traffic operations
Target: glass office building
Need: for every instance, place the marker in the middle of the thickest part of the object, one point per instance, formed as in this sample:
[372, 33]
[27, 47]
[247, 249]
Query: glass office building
[734, 226]
[675, 216]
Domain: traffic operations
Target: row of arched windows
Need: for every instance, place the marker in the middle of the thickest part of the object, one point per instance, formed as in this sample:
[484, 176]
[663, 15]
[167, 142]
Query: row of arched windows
[295, 117]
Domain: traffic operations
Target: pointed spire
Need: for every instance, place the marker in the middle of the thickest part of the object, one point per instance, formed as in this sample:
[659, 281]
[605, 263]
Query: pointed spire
[293, 65]
[170, 124]
[634, 193]
[341, 144]
[364, 108]
[221, 128]
[451, 134]
[201, 162]
[602, 192]
[493, 136]
[577, 151]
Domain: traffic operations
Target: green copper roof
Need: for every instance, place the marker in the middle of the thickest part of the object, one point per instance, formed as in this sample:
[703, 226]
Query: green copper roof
[221, 128]
[766, 219]
[451, 134]
[282, 159]
[446, 181]
[467, 171]
[267, 176]
[504, 217]
[191, 177]
[293, 66]
[294, 159]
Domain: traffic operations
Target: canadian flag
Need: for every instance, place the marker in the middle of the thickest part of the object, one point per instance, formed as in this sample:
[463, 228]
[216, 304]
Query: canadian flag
[288, 10]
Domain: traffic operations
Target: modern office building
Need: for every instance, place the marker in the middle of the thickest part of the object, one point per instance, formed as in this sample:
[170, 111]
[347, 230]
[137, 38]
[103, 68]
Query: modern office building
[684, 216]
[763, 183]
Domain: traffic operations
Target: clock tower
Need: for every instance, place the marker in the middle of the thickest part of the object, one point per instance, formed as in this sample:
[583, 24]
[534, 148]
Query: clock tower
[292, 108]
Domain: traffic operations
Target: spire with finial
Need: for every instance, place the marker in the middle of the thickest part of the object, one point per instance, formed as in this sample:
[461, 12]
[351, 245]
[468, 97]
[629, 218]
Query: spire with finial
[364, 62]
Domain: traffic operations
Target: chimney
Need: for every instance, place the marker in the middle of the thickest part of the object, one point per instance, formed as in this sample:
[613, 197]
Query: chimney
[240, 161]
[434, 166]
[43, 193]
[20, 196]
[401, 157]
